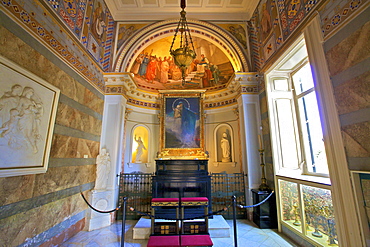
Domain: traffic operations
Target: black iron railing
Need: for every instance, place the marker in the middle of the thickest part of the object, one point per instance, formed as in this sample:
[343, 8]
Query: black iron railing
[137, 187]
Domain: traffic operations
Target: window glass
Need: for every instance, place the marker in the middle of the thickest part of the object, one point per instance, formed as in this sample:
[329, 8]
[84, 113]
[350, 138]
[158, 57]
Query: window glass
[314, 147]
[302, 79]
[281, 85]
[288, 147]
[309, 118]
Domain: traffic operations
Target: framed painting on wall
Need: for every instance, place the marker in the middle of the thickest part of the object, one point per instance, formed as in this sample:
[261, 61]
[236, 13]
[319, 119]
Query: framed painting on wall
[182, 125]
[28, 107]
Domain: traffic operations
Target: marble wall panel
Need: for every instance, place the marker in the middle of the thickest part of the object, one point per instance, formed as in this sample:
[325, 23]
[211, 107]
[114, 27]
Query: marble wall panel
[60, 178]
[72, 147]
[357, 133]
[21, 53]
[354, 94]
[93, 102]
[353, 148]
[18, 228]
[70, 117]
[14, 189]
[349, 52]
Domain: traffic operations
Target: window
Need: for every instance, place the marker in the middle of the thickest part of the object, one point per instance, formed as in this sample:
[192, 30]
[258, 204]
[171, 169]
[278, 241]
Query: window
[309, 119]
[297, 139]
[298, 149]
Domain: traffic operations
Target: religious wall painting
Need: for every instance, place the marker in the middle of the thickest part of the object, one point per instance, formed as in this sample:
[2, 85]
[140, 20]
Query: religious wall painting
[265, 19]
[265, 22]
[97, 32]
[99, 20]
[239, 31]
[27, 116]
[125, 31]
[182, 126]
[278, 19]
[154, 67]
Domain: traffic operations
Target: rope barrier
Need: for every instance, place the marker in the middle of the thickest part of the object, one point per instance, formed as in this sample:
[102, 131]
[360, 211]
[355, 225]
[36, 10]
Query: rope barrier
[256, 205]
[163, 218]
[99, 211]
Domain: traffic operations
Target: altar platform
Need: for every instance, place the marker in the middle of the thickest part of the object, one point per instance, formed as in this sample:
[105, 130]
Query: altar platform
[218, 228]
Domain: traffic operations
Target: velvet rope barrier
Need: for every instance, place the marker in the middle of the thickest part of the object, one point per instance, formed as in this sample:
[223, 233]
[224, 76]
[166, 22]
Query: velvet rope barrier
[256, 205]
[99, 211]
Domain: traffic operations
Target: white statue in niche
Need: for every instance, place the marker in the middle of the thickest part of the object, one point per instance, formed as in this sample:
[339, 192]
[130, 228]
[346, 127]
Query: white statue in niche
[139, 150]
[102, 169]
[225, 147]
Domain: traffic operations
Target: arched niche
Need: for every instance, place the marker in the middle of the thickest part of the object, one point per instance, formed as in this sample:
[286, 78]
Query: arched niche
[223, 136]
[157, 31]
[139, 145]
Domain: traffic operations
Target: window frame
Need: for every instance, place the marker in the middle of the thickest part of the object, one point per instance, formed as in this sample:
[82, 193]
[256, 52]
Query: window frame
[301, 171]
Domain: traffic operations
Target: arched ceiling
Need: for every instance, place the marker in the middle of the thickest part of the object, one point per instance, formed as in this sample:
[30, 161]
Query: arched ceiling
[221, 49]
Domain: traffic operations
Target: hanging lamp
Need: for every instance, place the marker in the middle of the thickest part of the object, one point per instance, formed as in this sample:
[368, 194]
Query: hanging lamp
[185, 53]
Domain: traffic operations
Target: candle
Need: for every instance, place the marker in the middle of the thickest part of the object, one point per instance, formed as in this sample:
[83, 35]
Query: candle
[260, 141]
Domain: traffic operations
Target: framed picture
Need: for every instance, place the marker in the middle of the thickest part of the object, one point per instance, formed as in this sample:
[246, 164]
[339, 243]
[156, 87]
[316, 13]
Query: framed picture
[182, 125]
[28, 107]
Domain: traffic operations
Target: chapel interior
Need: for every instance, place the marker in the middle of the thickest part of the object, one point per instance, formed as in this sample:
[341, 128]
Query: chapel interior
[275, 99]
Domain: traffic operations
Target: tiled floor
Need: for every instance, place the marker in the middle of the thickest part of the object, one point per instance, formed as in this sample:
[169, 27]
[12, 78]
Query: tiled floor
[248, 235]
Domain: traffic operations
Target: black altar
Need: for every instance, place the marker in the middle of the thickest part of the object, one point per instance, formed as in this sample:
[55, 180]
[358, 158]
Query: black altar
[182, 178]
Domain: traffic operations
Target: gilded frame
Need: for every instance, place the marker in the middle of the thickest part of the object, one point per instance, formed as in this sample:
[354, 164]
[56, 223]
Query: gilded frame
[182, 125]
[28, 106]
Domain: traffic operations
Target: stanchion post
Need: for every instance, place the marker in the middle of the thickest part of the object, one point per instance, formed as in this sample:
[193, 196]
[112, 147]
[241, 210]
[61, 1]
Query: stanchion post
[233, 198]
[123, 222]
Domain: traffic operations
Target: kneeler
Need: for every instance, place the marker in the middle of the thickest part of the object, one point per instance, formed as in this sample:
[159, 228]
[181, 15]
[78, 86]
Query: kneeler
[164, 240]
[197, 239]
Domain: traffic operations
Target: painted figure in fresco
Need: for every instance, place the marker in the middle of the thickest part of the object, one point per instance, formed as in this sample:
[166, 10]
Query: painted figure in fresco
[98, 23]
[202, 63]
[124, 33]
[164, 70]
[265, 21]
[225, 147]
[158, 69]
[135, 68]
[139, 150]
[207, 77]
[102, 169]
[215, 73]
[151, 69]
[144, 65]
[239, 33]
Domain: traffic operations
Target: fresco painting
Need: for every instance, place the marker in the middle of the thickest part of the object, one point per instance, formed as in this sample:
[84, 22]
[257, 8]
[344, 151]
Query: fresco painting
[239, 31]
[274, 21]
[125, 31]
[154, 67]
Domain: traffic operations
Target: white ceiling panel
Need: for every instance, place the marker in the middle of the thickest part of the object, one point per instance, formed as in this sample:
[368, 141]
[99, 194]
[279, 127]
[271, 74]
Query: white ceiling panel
[155, 10]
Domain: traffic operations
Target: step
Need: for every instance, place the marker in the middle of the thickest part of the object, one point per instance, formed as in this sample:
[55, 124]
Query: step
[218, 228]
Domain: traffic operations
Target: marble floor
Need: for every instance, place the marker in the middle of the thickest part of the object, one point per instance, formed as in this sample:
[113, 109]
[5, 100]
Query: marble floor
[248, 235]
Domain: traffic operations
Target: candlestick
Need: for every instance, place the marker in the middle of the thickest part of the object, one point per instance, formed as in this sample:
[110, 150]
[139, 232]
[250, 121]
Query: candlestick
[260, 142]
[263, 186]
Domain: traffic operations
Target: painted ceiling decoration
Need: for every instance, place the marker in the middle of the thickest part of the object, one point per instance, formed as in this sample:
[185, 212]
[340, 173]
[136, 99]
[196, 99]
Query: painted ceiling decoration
[90, 49]
[223, 53]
